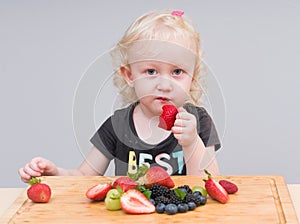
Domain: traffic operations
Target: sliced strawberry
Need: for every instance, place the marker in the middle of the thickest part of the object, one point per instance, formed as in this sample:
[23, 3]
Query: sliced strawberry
[134, 202]
[125, 183]
[168, 116]
[230, 187]
[158, 175]
[215, 190]
[38, 192]
[98, 192]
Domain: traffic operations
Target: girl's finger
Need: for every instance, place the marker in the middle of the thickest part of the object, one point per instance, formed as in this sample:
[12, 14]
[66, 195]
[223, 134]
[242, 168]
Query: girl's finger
[24, 176]
[34, 166]
[177, 130]
[29, 171]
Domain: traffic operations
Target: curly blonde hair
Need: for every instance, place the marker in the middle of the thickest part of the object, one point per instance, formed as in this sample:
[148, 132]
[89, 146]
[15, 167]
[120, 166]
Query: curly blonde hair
[147, 27]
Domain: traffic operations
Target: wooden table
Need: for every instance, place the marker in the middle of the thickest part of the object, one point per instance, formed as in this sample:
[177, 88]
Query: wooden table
[260, 199]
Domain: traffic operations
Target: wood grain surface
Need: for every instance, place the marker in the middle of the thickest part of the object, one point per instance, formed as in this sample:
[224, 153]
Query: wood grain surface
[260, 199]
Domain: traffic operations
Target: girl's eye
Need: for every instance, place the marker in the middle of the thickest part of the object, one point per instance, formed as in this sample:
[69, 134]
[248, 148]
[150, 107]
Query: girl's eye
[151, 72]
[177, 72]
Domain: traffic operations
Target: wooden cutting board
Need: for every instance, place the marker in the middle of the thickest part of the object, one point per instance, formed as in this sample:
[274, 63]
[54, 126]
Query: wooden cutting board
[260, 199]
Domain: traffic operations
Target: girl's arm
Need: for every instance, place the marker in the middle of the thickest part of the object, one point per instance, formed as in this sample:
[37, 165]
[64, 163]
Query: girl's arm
[199, 157]
[94, 164]
[196, 155]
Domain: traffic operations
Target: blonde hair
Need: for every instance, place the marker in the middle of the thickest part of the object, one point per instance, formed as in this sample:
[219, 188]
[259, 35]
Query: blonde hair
[147, 27]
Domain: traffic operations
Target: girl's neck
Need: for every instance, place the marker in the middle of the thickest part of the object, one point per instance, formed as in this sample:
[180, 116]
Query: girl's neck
[146, 126]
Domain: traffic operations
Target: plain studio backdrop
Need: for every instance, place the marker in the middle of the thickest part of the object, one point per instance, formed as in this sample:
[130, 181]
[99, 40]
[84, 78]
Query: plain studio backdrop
[55, 85]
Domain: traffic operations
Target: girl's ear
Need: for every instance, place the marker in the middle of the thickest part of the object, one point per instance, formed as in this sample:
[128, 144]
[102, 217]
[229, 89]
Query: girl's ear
[127, 75]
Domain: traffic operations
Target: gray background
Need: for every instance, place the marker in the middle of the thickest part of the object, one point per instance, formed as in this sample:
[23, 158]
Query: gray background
[47, 47]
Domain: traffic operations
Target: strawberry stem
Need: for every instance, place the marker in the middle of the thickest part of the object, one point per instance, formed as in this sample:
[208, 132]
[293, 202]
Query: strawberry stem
[208, 174]
[141, 171]
[34, 180]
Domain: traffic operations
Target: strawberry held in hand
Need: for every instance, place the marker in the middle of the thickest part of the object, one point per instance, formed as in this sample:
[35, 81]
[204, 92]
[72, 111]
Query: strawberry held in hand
[168, 117]
[98, 192]
[38, 192]
[157, 175]
[215, 190]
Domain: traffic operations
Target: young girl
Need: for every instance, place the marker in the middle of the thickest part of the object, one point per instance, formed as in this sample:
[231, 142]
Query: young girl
[157, 62]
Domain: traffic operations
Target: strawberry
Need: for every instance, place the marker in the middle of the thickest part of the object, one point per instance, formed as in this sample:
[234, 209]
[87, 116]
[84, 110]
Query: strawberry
[125, 183]
[158, 175]
[215, 190]
[168, 116]
[134, 202]
[230, 187]
[38, 192]
[98, 192]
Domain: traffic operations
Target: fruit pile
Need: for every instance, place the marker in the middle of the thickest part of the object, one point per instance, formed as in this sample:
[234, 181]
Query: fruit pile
[180, 199]
[156, 193]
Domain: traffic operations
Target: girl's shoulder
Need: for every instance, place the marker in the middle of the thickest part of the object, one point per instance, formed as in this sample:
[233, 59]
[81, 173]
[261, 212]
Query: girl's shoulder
[125, 111]
[196, 110]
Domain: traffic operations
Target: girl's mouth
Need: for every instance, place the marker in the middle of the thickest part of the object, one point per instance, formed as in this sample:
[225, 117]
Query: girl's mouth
[163, 99]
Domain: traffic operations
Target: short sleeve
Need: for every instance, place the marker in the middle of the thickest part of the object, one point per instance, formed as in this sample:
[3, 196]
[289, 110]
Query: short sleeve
[205, 126]
[105, 139]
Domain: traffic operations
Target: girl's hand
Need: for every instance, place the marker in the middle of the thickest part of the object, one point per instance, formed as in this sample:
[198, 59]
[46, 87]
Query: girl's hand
[38, 166]
[185, 128]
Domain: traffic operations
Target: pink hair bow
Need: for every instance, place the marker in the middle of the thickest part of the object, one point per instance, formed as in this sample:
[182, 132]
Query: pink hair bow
[177, 13]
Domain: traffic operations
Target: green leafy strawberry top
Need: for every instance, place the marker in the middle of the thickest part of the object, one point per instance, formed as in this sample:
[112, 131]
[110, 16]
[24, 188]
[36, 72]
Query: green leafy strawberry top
[34, 180]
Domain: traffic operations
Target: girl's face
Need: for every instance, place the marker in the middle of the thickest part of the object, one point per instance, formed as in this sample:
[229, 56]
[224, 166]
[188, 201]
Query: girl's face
[158, 83]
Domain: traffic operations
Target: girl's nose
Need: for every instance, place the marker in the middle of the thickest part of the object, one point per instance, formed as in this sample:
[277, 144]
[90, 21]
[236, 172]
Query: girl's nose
[164, 84]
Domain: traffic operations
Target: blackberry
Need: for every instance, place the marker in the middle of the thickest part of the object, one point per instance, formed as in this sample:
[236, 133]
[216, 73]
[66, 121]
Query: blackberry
[162, 199]
[185, 188]
[174, 199]
[191, 198]
[159, 190]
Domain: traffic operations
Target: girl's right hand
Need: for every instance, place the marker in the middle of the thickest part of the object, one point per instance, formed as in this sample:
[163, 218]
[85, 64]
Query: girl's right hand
[38, 166]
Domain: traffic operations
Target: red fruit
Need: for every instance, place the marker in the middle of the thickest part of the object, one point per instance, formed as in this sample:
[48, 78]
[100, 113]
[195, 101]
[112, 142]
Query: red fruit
[158, 175]
[215, 190]
[230, 187]
[38, 192]
[134, 202]
[168, 116]
[98, 192]
[125, 183]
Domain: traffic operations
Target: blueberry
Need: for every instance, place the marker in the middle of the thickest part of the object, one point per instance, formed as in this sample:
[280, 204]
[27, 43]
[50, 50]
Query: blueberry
[203, 200]
[191, 205]
[183, 190]
[160, 208]
[171, 209]
[182, 208]
[152, 201]
[197, 193]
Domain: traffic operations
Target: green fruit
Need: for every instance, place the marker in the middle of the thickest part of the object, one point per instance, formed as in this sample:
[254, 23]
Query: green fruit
[200, 189]
[112, 200]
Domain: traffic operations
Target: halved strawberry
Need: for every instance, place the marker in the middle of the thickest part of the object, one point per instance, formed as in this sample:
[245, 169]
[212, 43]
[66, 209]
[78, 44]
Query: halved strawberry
[230, 187]
[98, 192]
[215, 190]
[158, 175]
[168, 116]
[134, 202]
[125, 183]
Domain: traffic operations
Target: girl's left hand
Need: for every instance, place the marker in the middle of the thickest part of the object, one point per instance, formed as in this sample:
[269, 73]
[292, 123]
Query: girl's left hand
[185, 128]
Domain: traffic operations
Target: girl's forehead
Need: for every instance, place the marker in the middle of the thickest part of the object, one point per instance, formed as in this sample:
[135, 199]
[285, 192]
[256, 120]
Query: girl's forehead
[162, 51]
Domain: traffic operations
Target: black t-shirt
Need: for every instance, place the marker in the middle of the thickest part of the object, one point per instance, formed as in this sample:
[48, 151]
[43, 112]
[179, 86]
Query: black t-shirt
[117, 139]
